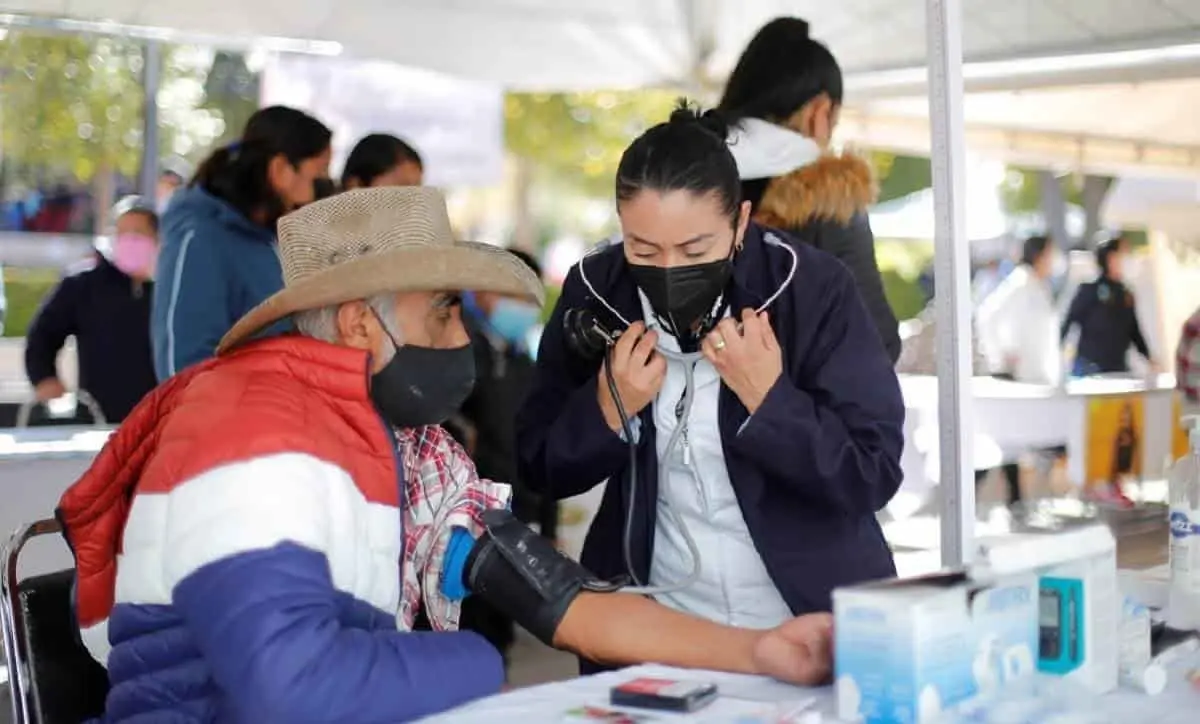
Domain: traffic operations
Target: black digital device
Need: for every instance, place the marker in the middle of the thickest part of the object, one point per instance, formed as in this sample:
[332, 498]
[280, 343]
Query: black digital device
[1049, 624]
[1060, 625]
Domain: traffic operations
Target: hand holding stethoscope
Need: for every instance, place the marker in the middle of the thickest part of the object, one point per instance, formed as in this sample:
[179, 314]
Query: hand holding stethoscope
[637, 372]
[747, 356]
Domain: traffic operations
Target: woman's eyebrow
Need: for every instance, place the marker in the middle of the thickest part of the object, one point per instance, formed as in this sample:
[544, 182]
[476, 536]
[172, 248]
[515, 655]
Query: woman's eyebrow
[647, 242]
[639, 240]
[447, 299]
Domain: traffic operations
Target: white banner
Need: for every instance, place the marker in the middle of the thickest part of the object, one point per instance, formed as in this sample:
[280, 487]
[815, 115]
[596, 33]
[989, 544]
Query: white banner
[456, 125]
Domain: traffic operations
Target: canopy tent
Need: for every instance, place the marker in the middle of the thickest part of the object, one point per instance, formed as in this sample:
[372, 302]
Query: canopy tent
[1141, 129]
[913, 217]
[1168, 206]
[589, 44]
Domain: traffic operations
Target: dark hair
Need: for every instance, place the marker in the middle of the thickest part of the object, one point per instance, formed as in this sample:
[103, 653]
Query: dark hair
[1107, 246]
[375, 155]
[529, 260]
[1033, 248]
[779, 71]
[687, 153]
[237, 172]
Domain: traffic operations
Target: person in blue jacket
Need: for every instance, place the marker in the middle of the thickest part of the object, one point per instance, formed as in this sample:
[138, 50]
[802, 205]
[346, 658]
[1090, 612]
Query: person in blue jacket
[760, 404]
[218, 258]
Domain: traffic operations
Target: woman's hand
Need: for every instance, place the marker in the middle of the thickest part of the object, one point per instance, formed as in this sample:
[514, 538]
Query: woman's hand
[749, 360]
[799, 651]
[49, 389]
[638, 372]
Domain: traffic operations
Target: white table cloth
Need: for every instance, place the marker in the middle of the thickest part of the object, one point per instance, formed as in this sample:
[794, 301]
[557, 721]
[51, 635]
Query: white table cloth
[1011, 418]
[757, 700]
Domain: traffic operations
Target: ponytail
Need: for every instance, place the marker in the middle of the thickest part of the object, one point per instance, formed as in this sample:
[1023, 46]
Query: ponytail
[238, 172]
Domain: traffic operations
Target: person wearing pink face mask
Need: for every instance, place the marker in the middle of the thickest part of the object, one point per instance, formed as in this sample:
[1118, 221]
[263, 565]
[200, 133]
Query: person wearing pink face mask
[106, 307]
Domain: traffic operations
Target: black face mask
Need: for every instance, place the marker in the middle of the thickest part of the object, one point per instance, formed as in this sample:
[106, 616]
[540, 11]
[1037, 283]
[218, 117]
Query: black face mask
[423, 386]
[685, 298]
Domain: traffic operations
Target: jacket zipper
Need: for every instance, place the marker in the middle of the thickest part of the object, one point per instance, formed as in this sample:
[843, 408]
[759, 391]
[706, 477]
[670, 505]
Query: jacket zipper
[391, 435]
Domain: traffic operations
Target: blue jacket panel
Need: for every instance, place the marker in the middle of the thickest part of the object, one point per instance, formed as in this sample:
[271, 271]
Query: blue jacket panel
[227, 650]
[213, 267]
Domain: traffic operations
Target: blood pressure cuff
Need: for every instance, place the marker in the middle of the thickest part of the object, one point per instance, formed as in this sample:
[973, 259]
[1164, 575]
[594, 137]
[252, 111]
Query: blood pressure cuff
[522, 575]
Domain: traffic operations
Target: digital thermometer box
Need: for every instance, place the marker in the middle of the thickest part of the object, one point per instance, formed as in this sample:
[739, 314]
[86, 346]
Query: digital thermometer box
[908, 650]
[1079, 601]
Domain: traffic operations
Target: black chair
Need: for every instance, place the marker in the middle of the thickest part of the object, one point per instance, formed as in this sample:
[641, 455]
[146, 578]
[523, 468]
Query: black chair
[52, 677]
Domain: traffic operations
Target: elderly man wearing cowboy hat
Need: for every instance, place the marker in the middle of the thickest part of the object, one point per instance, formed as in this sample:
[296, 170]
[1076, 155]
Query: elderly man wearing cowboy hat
[240, 539]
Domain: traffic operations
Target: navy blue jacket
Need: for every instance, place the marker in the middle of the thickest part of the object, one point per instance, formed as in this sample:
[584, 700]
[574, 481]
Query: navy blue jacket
[108, 313]
[1106, 314]
[810, 469]
[214, 266]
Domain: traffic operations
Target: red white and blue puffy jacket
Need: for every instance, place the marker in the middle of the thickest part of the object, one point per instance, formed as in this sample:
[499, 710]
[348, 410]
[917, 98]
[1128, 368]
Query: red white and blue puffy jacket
[238, 544]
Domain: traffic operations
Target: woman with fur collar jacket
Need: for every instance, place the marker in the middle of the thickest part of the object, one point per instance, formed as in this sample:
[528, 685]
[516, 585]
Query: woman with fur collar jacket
[787, 90]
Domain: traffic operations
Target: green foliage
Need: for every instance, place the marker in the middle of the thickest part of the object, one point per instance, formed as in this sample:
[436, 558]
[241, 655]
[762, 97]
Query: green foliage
[552, 295]
[231, 90]
[25, 290]
[903, 294]
[71, 105]
[900, 176]
[1021, 191]
[577, 138]
[900, 263]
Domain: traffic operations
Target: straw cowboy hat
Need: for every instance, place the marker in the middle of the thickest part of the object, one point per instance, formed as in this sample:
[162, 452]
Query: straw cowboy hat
[377, 241]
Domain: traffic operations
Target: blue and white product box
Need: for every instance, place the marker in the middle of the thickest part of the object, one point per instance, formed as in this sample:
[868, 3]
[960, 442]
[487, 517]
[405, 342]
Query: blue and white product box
[1079, 611]
[908, 650]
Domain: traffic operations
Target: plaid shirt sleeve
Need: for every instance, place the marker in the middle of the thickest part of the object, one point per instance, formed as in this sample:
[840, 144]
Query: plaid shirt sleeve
[1187, 360]
[442, 492]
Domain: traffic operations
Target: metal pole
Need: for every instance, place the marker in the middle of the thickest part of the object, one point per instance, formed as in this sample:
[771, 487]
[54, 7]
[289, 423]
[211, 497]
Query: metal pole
[952, 280]
[151, 75]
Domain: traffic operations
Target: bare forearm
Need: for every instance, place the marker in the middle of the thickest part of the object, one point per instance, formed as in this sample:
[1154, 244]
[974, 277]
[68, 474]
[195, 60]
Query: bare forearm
[620, 629]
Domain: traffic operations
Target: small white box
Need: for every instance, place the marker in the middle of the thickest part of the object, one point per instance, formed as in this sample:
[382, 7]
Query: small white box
[1080, 601]
[907, 650]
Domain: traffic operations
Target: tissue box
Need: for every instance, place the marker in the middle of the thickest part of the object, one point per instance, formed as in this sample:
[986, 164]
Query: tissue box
[1080, 601]
[906, 650]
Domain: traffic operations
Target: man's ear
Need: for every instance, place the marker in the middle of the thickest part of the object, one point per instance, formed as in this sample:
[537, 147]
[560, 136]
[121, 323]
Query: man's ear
[353, 325]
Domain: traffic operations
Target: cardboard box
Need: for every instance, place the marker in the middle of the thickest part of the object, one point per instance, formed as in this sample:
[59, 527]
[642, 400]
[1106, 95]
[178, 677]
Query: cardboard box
[1080, 601]
[907, 650]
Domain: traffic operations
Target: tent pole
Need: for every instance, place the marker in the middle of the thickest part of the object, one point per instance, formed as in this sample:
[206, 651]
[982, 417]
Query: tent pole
[152, 70]
[952, 302]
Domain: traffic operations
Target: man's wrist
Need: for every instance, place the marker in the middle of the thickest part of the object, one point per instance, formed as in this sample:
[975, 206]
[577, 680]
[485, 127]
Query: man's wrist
[743, 652]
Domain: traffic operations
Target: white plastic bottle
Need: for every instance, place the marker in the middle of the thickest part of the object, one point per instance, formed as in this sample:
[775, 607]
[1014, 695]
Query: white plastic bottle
[1183, 599]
